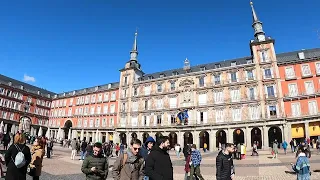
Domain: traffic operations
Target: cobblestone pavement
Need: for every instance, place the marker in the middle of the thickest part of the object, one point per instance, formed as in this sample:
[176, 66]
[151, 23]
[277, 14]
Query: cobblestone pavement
[61, 167]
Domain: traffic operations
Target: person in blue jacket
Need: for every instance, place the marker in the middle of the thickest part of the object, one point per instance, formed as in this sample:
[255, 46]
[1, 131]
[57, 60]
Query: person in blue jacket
[145, 150]
[146, 147]
[285, 146]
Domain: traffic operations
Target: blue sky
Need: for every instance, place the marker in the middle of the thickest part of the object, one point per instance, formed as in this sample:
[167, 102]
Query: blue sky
[72, 44]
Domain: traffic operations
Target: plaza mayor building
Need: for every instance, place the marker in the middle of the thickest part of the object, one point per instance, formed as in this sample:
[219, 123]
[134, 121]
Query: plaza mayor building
[255, 99]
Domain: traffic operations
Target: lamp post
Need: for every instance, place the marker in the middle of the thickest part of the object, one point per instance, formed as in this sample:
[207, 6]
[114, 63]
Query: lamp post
[24, 124]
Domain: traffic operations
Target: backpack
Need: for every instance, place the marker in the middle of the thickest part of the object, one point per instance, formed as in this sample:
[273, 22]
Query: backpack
[19, 160]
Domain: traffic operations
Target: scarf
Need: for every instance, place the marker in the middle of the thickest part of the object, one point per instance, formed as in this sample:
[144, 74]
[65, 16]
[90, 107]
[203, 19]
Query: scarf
[37, 148]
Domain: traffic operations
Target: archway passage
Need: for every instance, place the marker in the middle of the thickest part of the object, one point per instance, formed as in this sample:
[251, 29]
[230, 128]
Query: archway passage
[158, 135]
[173, 139]
[314, 132]
[221, 139]
[66, 128]
[256, 137]
[188, 138]
[123, 138]
[134, 136]
[238, 136]
[204, 139]
[274, 133]
[144, 137]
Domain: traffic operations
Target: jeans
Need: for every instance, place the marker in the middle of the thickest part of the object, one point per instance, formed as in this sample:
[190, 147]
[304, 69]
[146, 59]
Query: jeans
[83, 155]
[48, 152]
[178, 154]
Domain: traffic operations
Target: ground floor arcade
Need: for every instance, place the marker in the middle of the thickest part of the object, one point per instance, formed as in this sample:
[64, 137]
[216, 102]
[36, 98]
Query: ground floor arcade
[263, 133]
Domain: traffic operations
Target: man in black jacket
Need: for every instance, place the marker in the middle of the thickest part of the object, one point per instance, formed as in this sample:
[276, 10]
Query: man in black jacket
[224, 163]
[158, 164]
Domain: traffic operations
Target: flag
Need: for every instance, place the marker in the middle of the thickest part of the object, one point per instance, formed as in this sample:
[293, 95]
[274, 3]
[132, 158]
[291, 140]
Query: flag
[186, 116]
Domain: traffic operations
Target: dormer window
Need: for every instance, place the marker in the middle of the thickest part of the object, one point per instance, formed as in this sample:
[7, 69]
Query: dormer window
[49, 96]
[217, 65]
[21, 87]
[74, 92]
[175, 73]
[10, 83]
[162, 75]
[233, 63]
[202, 68]
[150, 77]
[249, 61]
[38, 92]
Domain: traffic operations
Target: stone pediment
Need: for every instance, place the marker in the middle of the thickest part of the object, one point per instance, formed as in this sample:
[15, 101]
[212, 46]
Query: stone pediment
[186, 82]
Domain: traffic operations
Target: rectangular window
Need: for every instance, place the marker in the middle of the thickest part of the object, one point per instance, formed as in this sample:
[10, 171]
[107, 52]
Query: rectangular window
[112, 108]
[264, 56]
[233, 77]
[270, 91]
[123, 107]
[85, 123]
[91, 123]
[217, 79]
[113, 96]
[105, 109]
[201, 81]
[147, 90]
[135, 91]
[235, 95]
[99, 110]
[159, 104]
[172, 86]
[173, 102]
[99, 97]
[106, 97]
[267, 74]
[218, 97]
[290, 74]
[97, 122]
[313, 107]
[93, 98]
[159, 87]
[79, 122]
[236, 114]
[250, 75]
[202, 98]
[173, 119]
[234, 63]
[104, 122]
[309, 87]
[87, 99]
[251, 94]
[92, 110]
[254, 112]
[86, 110]
[295, 109]
[125, 80]
[159, 119]
[318, 68]
[293, 90]
[219, 115]
[306, 70]
[272, 110]
[135, 106]
[146, 105]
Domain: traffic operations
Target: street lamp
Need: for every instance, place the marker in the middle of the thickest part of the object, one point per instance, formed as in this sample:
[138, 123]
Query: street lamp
[24, 124]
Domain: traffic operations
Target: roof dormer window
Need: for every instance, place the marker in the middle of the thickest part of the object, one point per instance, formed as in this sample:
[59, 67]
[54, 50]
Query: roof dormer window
[233, 63]
[175, 73]
[162, 75]
[217, 65]
[203, 68]
[150, 77]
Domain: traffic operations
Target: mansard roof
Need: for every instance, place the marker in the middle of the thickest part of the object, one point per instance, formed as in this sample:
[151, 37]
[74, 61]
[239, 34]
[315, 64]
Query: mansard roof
[90, 90]
[281, 58]
[25, 87]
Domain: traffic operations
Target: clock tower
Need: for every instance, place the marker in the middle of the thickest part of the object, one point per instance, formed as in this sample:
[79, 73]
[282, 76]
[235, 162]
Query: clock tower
[257, 26]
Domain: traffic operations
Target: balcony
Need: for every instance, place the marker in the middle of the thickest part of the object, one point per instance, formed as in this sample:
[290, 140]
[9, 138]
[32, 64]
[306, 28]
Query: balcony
[289, 78]
[270, 96]
[302, 115]
[301, 95]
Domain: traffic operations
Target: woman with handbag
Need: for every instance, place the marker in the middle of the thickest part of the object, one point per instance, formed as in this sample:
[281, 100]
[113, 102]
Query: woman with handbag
[37, 153]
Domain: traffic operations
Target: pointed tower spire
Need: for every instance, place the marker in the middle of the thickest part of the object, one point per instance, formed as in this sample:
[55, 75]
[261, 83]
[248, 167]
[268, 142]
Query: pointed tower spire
[257, 25]
[134, 51]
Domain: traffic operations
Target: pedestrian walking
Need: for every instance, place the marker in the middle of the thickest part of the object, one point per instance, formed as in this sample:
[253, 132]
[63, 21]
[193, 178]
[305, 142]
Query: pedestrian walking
[225, 169]
[96, 166]
[285, 146]
[158, 164]
[187, 167]
[129, 165]
[84, 145]
[195, 162]
[275, 149]
[177, 148]
[117, 149]
[302, 166]
[74, 145]
[37, 151]
[49, 147]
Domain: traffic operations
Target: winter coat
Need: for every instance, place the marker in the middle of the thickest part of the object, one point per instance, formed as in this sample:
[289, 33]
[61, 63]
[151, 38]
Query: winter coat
[159, 165]
[128, 171]
[13, 173]
[102, 165]
[144, 151]
[37, 154]
[224, 165]
[74, 145]
[302, 167]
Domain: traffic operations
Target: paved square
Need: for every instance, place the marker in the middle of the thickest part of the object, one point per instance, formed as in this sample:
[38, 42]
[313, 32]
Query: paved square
[61, 167]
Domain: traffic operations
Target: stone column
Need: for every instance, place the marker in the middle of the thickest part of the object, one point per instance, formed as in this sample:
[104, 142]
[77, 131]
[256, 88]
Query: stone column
[248, 137]
[212, 140]
[100, 137]
[93, 135]
[196, 139]
[230, 136]
[107, 137]
[128, 138]
[289, 132]
[180, 138]
[116, 138]
[265, 138]
[55, 133]
[306, 129]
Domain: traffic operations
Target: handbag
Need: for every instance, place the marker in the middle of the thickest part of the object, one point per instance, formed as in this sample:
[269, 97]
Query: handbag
[31, 170]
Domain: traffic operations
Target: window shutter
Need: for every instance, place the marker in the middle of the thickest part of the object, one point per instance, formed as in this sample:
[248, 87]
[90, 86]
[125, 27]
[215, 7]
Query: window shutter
[205, 117]
[198, 117]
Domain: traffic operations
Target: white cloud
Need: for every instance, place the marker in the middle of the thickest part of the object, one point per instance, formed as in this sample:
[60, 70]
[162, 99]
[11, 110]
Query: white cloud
[27, 78]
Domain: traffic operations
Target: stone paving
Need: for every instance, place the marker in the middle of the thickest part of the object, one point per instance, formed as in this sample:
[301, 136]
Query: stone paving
[61, 167]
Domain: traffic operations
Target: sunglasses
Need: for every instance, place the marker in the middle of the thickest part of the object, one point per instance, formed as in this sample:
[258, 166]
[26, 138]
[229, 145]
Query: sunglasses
[136, 149]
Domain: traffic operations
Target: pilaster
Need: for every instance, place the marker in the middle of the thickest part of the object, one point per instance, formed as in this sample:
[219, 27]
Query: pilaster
[248, 137]
[265, 138]
[306, 129]
[212, 139]
[230, 135]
